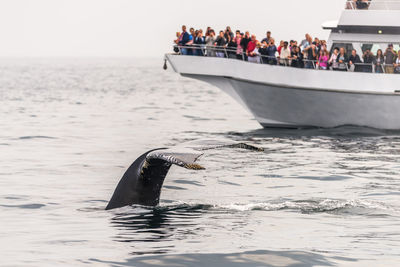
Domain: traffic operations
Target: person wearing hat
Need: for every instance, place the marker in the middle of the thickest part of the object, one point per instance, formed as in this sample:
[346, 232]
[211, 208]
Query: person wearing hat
[390, 56]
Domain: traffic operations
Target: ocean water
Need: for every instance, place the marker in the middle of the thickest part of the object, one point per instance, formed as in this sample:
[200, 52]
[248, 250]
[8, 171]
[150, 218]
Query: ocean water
[70, 128]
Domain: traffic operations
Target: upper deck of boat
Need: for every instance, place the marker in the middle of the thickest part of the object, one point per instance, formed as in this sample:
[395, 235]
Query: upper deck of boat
[376, 13]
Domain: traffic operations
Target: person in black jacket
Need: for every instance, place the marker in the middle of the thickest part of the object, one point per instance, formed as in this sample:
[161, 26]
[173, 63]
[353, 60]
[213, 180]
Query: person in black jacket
[198, 43]
[263, 51]
[355, 60]
[231, 47]
[297, 57]
[245, 41]
[369, 60]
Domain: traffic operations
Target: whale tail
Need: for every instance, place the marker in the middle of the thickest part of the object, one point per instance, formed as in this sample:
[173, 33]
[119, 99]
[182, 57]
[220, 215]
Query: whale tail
[142, 182]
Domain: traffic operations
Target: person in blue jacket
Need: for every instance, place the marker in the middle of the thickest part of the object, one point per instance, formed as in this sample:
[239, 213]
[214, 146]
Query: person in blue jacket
[183, 40]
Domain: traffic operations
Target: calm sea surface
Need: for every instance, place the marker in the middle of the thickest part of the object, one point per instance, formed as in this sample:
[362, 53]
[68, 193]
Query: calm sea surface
[70, 128]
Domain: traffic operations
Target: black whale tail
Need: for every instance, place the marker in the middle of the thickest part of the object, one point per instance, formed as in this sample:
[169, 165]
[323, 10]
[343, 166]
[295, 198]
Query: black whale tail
[142, 182]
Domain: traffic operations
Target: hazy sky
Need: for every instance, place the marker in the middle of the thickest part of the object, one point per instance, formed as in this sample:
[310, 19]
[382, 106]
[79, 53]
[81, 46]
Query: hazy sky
[137, 28]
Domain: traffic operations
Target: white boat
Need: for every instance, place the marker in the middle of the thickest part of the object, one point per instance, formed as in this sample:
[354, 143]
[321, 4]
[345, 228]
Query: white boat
[280, 96]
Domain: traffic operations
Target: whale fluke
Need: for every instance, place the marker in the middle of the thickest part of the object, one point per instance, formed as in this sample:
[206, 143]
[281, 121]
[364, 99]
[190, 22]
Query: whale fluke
[142, 182]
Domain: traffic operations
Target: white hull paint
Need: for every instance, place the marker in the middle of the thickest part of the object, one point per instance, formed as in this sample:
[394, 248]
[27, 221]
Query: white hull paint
[289, 97]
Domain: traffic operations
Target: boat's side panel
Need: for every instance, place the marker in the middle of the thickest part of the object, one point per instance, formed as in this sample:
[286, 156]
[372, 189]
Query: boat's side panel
[222, 83]
[318, 108]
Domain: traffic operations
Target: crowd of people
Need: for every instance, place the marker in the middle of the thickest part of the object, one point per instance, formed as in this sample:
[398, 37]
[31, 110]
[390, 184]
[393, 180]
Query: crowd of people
[311, 53]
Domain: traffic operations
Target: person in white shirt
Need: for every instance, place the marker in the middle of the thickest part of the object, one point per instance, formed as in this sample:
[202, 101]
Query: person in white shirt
[333, 60]
[255, 55]
[285, 54]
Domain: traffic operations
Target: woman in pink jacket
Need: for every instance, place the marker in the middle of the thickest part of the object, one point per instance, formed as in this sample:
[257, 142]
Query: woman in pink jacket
[239, 48]
[323, 59]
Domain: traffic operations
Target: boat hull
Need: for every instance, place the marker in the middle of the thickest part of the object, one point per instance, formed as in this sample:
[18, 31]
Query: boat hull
[290, 105]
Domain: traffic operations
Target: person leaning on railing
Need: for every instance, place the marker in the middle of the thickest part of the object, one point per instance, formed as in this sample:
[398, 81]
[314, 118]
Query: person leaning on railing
[263, 51]
[333, 60]
[244, 43]
[239, 48]
[210, 40]
[390, 57]
[285, 55]
[220, 42]
[296, 57]
[379, 61]
[271, 51]
[355, 62]
[312, 55]
[323, 59]
[342, 59]
[183, 39]
[198, 43]
[231, 47]
[369, 61]
[252, 50]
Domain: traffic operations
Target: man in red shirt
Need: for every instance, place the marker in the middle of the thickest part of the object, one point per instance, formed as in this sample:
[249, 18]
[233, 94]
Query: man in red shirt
[251, 46]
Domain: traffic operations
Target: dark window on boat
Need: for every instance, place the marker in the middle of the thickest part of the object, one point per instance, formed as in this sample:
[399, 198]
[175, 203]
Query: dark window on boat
[348, 47]
[372, 47]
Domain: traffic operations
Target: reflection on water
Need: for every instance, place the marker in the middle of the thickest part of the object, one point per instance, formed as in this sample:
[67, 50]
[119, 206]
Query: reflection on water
[159, 224]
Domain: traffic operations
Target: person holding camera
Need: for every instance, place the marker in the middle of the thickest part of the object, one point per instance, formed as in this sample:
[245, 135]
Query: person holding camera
[271, 52]
[390, 56]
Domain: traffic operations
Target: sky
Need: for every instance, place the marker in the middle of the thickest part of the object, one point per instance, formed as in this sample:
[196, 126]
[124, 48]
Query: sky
[137, 28]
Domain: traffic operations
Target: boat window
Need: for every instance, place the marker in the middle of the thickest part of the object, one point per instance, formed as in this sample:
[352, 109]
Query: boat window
[348, 47]
[371, 47]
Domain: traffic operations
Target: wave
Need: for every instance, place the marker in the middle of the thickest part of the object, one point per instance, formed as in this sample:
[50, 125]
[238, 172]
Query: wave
[353, 206]
[333, 206]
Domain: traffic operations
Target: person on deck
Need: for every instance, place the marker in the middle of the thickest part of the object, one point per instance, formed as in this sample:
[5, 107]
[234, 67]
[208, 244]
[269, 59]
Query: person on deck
[251, 47]
[342, 59]
[296, 57]
[355, 61]
[239, 48]
[379, 61]
[390, 57]
[220, 44]
[210, 40]
[244, 43]
[369, 61]
[183, 40]
[333, 60]
[271, 52]
[285, 54]
[266, 39]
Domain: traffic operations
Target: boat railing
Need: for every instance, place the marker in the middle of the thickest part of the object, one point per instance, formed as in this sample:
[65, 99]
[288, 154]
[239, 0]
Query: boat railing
[373, 5]
[232, 53]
